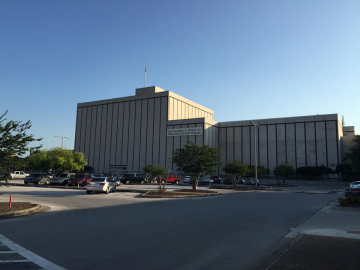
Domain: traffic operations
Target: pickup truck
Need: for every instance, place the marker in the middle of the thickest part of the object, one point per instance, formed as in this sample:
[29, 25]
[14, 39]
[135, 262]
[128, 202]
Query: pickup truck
[172, 179]
[19, 175]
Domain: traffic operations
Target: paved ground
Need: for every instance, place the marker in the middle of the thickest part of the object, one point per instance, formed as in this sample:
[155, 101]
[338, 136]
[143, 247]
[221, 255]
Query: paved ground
[236, 230]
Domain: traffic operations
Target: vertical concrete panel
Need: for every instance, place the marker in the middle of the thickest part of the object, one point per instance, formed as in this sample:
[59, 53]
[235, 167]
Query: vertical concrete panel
[200, 138]
[281, 147]
[78, 130]
[143, 132]
[125, 139]
[163, 137]
[321, 143]
[156, 144]
[222, 148]
[176, 109]
[171, 108]
[92, 136]
[332, 146]
[230, 144]
[131, 138]
[183, 111]
[237, 144]
[169, 150]
[83, 130]
[114, 130]
[150, 131]
[246, 145]
[187, 111]
[176, 144]
[300, 145]
[97, 138]
[191, 138]
[120, 132]
[103, 138]
[310, 144]
[272, 147]
[108, 134]
[88, 132]
[183, 139]
[263, 146]
[290, 144]
[137, 134]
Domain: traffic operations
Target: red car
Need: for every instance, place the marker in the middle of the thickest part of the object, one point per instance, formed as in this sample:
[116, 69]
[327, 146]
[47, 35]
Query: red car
[80, 178]
[172, 179]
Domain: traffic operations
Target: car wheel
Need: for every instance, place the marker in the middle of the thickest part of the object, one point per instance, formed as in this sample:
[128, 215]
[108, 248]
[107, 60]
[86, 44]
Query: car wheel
[65, 183]
[26, 183]
[127, 182]
[107, 190]
[176, 182]
[114, 189]
[88, 192]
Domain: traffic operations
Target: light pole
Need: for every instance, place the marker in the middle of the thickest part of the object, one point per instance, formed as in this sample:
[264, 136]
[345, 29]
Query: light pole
[255, 152]
[62, 140]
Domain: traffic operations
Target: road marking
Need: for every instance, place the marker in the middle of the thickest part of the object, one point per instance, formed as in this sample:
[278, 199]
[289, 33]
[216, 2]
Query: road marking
[30, 256]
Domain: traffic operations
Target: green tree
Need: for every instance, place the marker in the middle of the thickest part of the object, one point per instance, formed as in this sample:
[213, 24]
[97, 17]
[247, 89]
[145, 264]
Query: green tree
[14, 141]
[147, 171]
[261, 171]
[57, 159]
[158, 172]
[352, 157]
[236, 168]
[284, 170]
[196, 160]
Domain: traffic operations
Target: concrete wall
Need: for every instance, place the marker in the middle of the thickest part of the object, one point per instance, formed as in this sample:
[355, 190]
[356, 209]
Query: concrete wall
[300, 141]
[125, 134]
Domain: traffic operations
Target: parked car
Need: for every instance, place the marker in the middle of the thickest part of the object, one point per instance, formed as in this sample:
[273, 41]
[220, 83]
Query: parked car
[353, 184]
[216, 179]
[172, 179]
[205, 181]
[81, 178]
[250, 181]
[132, 178]
[37, 178]
[228, 181]
[186, 180]
[100, 184]
[111, 177]
[354, 191]
[62, 178]
[19, 175]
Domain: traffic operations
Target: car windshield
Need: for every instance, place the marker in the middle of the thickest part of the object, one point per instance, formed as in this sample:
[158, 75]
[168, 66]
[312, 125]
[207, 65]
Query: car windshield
[98, 179]
[62, 175]
[35, 174]
[80, 176]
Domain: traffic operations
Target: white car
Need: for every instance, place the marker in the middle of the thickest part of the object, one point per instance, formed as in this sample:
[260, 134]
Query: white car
[100, 184]
[19, 175]
[354, 184]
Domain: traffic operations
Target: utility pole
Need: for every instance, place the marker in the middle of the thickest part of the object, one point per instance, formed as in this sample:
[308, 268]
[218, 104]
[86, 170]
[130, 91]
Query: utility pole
[62, 140]
[255, 152]
[145, 77]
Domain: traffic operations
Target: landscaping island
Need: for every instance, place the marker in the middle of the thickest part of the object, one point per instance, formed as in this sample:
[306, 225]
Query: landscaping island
[180, 193]
[17, 208]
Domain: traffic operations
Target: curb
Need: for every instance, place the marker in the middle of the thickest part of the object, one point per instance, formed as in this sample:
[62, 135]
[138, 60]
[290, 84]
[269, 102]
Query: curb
[20, 212]
[177, 196]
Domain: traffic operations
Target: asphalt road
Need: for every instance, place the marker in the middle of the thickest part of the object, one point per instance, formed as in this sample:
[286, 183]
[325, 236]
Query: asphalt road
[237, 230]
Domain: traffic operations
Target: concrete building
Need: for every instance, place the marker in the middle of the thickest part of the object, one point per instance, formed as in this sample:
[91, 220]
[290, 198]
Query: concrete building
[125, 134]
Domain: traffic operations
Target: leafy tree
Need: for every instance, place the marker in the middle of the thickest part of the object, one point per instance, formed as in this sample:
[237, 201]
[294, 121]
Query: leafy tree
[313, 172]
[158, 172]
[57, 159]
[147, 171]
[14, 141]
[284, 170]
[196, 160]
[236, 168]
[352, 157]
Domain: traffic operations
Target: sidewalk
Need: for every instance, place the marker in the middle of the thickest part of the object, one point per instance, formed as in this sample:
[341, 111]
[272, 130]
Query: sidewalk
[329, 240]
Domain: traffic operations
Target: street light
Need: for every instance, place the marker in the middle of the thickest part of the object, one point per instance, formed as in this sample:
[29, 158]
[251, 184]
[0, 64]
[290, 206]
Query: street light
[255, 125]
[62, 140]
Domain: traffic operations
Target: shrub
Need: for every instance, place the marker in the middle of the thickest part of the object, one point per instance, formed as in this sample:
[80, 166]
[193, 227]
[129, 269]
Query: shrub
[354, 201]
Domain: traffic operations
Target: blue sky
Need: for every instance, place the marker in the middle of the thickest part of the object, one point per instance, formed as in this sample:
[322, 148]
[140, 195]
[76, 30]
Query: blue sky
[243, 59]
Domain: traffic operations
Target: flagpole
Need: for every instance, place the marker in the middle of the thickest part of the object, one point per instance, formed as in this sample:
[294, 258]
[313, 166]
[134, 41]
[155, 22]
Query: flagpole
[145, 77]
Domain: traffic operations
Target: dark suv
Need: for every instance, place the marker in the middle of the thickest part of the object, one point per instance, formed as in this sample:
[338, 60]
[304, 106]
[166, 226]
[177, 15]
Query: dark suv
[37, 178]
[132, 178]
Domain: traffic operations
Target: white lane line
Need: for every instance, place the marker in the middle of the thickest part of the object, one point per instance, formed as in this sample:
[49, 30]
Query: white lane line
[13, 261]
[45, 264]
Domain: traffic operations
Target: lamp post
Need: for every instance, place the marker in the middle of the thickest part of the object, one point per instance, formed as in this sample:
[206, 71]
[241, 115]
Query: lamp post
[62, 140]
[255, 152]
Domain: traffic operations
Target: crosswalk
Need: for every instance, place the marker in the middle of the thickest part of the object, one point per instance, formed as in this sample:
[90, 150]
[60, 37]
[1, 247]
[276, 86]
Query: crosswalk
[13, 256]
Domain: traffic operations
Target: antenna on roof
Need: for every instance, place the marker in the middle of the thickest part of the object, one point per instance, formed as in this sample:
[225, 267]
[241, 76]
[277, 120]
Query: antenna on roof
[145, 77]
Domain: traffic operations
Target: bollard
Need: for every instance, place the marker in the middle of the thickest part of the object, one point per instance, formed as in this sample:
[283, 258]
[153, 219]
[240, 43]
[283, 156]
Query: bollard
[10, 200]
